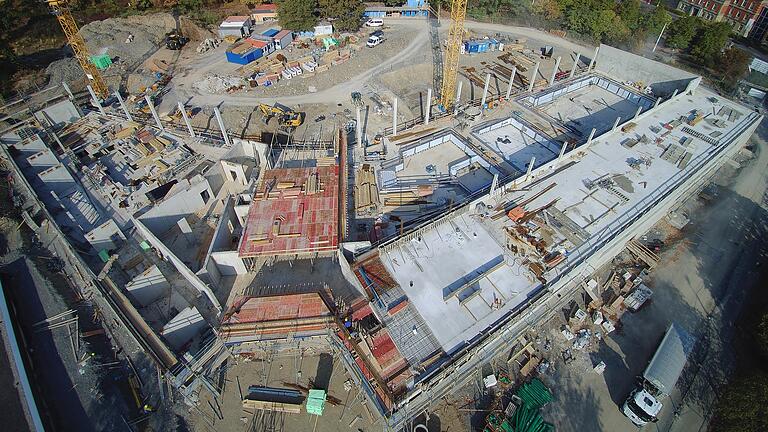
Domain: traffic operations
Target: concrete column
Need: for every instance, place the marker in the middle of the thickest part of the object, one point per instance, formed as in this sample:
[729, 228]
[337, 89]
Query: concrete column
[458, 98]
[658, 101]
[485, 90]
[562, 150]
[637, 113]
[575, 65]
[186, 119]
[530, 168]
[221, 126]
[533, 77]
[68, 90]
[429, 106]
[615, 124]
[394, 116]
[674, 93]
[591, 135]
[358, 127]
[511, 80]
[152, 110]
[494, 183]
[555, 71]
[122, 105]
[95, 100]
[594, 58]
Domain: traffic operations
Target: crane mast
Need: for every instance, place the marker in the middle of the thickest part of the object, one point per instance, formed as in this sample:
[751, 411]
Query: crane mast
[60, 9]
[451, 68]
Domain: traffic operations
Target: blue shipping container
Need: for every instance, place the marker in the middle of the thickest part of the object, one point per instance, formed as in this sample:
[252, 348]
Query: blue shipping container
[476, 46]
[244, 59]
[271, 32]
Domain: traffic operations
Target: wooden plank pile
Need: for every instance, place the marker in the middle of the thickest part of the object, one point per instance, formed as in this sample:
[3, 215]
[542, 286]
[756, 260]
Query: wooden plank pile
[366, 190]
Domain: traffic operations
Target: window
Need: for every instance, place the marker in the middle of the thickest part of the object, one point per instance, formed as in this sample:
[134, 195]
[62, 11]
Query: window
[205, 196]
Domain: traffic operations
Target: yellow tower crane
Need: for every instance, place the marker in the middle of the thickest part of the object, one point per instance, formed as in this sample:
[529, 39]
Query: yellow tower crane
[60, 8]
[455, 39]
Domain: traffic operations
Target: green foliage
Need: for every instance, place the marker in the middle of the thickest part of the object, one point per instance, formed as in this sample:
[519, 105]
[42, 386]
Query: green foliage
[142, 5]
[682, 32]
[742, 407]
[190, 6]
[629, 12]
[394, 3]
[492, 8]
[709, 42]
[656, 20]
[298, 15]
[347, 13]
[762, 328]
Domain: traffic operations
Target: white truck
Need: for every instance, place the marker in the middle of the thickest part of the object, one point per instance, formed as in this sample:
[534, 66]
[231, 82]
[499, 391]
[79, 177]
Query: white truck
[644, 403]
[374, 41]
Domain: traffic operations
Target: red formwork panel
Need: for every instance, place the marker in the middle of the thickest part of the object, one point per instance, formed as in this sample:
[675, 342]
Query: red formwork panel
[276, 308]
[284, 219]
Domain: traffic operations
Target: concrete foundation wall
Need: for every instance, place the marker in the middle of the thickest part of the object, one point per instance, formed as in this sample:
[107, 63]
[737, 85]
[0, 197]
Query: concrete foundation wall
[183, 327]
[185, 272]
[42, 160]
[105, 236]
[148, 287]
[165, 215]
[229, 263]
[663, 79]
[59, 114]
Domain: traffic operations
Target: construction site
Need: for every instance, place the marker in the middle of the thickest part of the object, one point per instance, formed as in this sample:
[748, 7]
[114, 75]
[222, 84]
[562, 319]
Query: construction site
[408, 221]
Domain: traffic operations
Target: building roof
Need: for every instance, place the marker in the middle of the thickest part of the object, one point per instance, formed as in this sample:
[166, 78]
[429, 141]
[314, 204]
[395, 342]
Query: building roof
[294, 210]
[281, 34]
[276, 308]
[265, 8]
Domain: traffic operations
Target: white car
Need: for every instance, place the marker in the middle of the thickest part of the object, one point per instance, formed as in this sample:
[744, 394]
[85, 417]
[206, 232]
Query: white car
[374, 22]
[373, 41]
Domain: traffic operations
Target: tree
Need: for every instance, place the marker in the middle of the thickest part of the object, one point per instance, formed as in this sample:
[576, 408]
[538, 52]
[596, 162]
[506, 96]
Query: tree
[549, 9]
[741, 408]
[629, 12]
[394, 3]
[682, 32]
[251, 3]
[710, 41]
[190, 6]
[347, 13]
[298, 15]
[656, 20]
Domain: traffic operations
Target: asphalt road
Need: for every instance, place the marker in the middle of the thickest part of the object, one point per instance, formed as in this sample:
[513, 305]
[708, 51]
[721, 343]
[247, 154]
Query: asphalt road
[702, 284]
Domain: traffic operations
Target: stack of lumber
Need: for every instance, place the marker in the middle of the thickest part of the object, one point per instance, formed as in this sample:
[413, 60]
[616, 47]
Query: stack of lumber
[366, 190]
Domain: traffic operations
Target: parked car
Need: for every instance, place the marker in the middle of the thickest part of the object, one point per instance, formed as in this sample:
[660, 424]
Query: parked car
[378, 33]
[374, 22]
[374, 40]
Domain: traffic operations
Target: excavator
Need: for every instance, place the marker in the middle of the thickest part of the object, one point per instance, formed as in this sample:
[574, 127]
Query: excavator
[287, 118]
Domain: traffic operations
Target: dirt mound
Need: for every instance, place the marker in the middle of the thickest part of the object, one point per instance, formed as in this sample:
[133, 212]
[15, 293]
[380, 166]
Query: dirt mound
[128, 41]
[194, 32]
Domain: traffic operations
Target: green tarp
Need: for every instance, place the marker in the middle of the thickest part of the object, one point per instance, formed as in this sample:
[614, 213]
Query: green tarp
[316, 402]
[101, 61]
[104, 255]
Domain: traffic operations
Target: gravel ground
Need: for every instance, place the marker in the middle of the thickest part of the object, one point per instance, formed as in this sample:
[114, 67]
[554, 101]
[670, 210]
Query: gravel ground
[109, 37]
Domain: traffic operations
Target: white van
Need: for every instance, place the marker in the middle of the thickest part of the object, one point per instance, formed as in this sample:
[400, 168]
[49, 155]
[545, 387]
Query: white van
[374, 22]
[374, 40]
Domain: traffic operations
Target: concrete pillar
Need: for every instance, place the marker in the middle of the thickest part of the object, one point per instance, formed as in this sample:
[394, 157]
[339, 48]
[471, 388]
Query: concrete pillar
[485, 90]
[511, 80]
[594, 57]
[186, 119]
[530, 168]
[591, 135]
[122, 105]
[95, 100]
[358, 127]
[68, 90]
[494, 183]
[394, 116]
[658, 101]
[555, 71]
[458, 98]
[562, 150]
[429, 106]
[637, 113]
[615, 124]
[674, 93]
[152, 110]
[221, 126]
[533, 77]
[575, 65]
